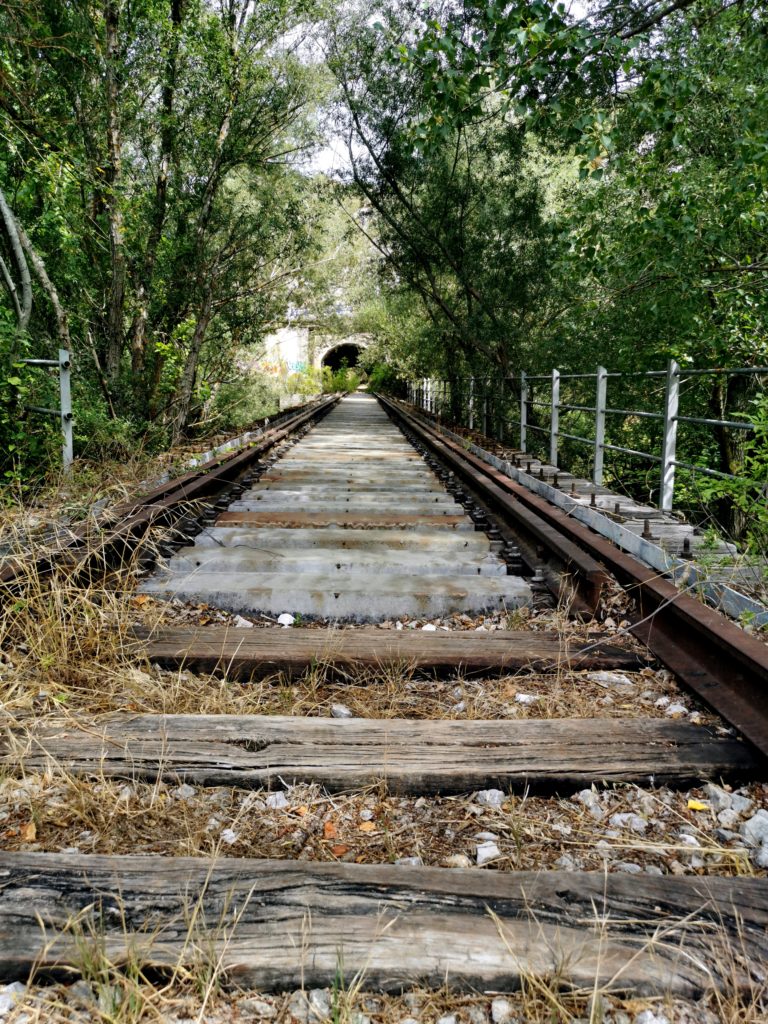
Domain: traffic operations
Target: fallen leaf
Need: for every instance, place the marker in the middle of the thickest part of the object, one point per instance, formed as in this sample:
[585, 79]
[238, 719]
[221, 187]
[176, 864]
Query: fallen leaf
[29, 832]
[141, 599]
[329, 830]
[366, 826]
[340, 849]
[698, 805]
[301, 811]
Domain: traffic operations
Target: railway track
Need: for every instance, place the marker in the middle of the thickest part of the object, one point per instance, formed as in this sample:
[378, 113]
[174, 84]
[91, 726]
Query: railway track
[357, 536]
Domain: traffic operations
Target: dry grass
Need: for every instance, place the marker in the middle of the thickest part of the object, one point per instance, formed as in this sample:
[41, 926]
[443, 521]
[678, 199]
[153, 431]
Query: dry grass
[107, 671]
[109, 993]
[70, 648]
[148, 1000]
[58, 812]
[60, 631]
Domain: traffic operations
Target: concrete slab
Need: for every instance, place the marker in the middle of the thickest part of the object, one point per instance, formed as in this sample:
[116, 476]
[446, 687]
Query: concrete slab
[343, 485]
[332, 538]
[358, 561]
[349, 525]
[356, 474]
[289, 501]
[351, 598]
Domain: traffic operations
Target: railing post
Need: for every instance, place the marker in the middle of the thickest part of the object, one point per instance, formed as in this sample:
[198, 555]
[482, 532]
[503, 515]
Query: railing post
[65, 405]
[554, 418]
[471, 418]
[500, 406]
[523, 410]
[669, 444]
[601, 400]
[485, 407]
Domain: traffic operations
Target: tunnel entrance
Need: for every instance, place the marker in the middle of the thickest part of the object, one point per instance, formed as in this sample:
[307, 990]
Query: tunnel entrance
[346, 354]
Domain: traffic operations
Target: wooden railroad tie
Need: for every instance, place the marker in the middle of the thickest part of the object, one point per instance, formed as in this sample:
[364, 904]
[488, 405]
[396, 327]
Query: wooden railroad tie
[282, 924]
[409, 756]
[248, 653]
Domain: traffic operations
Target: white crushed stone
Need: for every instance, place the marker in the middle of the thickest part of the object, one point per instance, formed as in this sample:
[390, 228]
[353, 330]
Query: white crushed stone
[10, 995]
[490, 797]
[277, 801]
[501, 1011]
[487, 852]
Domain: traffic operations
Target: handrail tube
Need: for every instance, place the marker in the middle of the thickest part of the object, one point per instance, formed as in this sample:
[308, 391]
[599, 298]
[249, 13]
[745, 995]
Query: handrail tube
[713, 472]
[577, 437]
[637, 412]
[632, 451]
[425, 394]
[735, 424]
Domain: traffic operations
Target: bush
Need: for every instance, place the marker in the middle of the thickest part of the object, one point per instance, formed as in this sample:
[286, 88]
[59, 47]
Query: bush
[307, 382]
[384, 377]
[99, 437]
[238, 404]
[344, 379]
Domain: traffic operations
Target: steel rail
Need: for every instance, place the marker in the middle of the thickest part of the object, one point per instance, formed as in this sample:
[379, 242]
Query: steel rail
[125, 524]
[713, 657]
[591, 574]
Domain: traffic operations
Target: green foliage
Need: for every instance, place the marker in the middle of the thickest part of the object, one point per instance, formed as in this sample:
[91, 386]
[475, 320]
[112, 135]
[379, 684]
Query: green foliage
[99, 436]
[151, 176]
[748, 490]
[307, 382]
[385, 378]
[237, 404]
[26, 438]
[346, 378]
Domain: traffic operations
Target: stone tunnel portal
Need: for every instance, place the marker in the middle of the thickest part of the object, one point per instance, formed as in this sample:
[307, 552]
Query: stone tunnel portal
[345, 354]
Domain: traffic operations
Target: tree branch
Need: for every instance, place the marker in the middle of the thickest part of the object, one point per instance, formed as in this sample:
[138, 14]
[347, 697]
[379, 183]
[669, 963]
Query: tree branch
[11, 230]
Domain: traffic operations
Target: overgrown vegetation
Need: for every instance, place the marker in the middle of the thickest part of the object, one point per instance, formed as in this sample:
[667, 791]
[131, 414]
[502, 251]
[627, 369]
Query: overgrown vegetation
[567, 189]
[525, 186]
[151, 219]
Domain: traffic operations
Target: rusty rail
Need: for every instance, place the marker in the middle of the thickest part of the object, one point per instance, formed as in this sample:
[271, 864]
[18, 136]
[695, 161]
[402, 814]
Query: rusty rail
[491, 489]
[713, 657]
[90, 546]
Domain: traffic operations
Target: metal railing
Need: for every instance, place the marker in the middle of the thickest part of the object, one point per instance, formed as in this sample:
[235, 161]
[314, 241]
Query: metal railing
[64, 412]
[485, 400]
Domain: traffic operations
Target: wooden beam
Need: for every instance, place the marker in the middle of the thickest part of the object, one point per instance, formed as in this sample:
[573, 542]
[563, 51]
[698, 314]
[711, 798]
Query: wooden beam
[283, 924]
[409, 756]
[349, 520]
[258, 652]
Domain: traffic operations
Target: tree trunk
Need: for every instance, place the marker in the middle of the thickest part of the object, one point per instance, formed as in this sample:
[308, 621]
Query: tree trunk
[10, 285]
[62, 321]
[24, 304]
[187, 383]
[116, 300]
[167, 149]
[725, 399]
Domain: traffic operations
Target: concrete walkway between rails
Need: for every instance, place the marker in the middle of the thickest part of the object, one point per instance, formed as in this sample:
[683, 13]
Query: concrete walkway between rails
[353, 533]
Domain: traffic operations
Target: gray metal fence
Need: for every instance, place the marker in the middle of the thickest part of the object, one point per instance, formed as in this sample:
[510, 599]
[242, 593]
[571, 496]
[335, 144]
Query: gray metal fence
[64, 412]
[512, 409]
